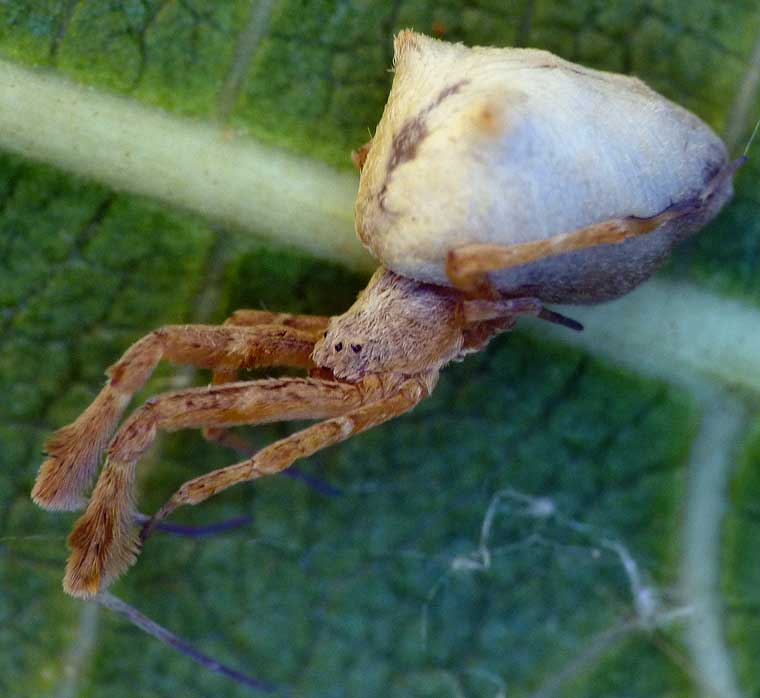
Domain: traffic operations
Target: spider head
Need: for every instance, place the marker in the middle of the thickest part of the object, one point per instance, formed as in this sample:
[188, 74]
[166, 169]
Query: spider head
[397, 325]
[345, 352]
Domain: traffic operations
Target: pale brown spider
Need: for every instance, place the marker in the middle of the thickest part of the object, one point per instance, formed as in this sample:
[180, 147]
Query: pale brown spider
[373, 363]
[442, 301]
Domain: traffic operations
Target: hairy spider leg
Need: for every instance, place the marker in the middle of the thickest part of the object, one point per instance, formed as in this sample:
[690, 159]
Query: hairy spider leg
[74, 452]
[104, 540]
[229, 439]
[314, 324]
[468, 265]
[281, 454]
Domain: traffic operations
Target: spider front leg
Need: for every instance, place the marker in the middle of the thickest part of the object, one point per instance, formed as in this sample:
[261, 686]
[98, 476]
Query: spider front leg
[314, 324]
[277, 456]
[74, 451]
[104, 542]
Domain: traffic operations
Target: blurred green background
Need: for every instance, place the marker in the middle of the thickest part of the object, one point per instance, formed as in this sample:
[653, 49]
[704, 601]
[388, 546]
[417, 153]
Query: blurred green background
[502, 539]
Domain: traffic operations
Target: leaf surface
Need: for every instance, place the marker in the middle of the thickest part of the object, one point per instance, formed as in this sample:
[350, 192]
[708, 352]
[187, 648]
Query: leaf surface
[526, 531]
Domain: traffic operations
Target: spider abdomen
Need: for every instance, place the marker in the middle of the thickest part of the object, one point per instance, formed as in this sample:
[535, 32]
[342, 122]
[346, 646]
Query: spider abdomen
[506, 146]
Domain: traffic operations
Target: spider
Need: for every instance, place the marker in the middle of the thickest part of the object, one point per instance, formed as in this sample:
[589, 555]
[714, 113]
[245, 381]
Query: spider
[498, 180]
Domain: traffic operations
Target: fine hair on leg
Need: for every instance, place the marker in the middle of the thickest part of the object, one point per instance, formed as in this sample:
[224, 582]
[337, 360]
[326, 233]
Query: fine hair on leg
[75, 451]
[104, 540]
[281, 454]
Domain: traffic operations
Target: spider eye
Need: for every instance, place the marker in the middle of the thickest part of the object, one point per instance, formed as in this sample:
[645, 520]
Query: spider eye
[325, 335]
[339, 346]
[356, 348]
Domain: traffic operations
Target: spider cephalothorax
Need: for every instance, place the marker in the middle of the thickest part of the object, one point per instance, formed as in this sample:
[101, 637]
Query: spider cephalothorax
[397, 325]
[497, 180]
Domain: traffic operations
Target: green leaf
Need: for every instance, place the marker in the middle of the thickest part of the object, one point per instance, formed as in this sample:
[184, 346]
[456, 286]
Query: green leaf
[548, 523]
